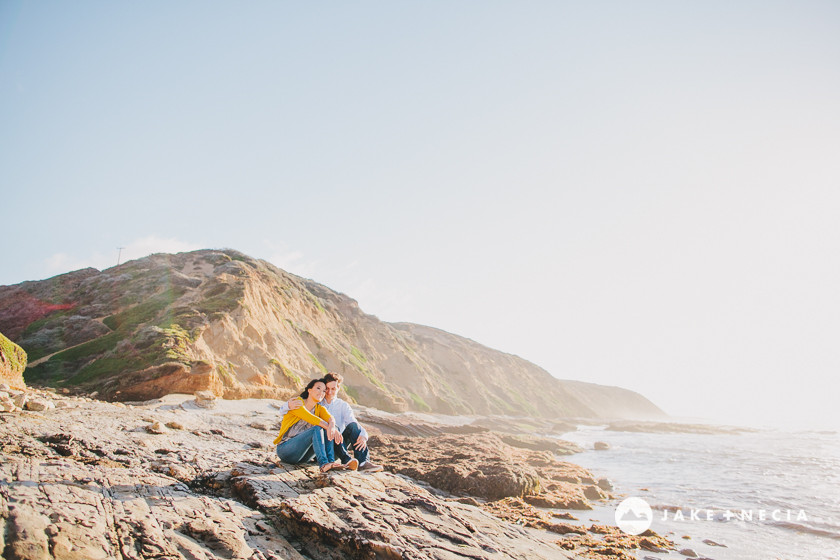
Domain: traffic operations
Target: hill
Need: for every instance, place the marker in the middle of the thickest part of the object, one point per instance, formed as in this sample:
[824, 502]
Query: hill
[241, 327]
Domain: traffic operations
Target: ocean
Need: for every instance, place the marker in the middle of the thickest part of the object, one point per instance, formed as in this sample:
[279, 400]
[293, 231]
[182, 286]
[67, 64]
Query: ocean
[767, 494]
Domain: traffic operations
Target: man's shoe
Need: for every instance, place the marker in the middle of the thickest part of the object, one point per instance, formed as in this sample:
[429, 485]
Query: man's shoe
[370, 467]
[352, 464]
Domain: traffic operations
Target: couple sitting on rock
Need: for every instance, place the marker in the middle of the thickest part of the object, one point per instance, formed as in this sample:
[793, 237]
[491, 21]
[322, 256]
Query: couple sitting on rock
[317, 424]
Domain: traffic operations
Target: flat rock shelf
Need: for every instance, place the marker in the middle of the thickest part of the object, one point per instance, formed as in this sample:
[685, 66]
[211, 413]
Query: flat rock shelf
[168, 479]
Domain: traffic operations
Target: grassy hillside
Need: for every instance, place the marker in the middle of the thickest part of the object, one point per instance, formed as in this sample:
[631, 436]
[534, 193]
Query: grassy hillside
[241, 327]
[12, 363]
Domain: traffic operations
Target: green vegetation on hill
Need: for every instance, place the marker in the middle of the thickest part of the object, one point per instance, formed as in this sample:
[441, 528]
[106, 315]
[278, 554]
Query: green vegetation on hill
[148, 328]
[315, 300]
[137, 349]
[39, 345]
[359, 361]
[351, 392]
[221, 298]
[50, 321]
[12, 354]
[318, 363]
[421, 404]
[144, 312]
[293, 377]
[90, 360]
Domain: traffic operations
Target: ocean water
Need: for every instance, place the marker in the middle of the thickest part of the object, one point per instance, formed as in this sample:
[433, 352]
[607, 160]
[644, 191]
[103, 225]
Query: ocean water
[764, 494]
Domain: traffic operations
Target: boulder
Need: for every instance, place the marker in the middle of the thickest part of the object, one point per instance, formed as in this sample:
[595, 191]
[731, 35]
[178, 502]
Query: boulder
[156, 428]
[595, 493]
[19, 398]
[39, 404]
[6, 402]
[601, 446]
[605, 484]
[205, 399]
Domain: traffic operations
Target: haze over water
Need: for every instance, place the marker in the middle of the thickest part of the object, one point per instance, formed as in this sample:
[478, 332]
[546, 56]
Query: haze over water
[792, 476]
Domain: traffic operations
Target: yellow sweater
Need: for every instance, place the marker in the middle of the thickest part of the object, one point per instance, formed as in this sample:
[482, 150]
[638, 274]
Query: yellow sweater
[294, 416]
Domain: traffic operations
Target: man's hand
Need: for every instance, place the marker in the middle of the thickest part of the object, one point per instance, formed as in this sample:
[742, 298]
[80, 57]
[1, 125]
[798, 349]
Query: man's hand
[361, 443]
[294, 403]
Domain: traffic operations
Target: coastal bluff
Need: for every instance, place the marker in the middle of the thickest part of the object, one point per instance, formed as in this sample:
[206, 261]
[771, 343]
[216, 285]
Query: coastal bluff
[170, 478]
[243, 328]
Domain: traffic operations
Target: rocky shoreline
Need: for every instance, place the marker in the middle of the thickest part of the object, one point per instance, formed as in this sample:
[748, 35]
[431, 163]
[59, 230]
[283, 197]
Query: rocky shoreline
[181, 477]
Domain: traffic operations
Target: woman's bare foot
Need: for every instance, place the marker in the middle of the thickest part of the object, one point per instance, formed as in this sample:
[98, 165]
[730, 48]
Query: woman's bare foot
[326, 467]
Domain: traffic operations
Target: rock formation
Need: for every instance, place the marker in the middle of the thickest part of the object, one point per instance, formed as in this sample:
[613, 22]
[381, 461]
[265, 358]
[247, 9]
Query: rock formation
[12, 363]
[675, 428]
[88, 479]
[240, 327]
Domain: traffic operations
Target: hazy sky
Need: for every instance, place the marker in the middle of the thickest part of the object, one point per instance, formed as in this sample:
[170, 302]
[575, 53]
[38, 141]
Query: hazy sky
[642, 194]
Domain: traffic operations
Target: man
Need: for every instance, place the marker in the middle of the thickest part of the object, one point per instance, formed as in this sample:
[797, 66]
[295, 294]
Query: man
[350, 431]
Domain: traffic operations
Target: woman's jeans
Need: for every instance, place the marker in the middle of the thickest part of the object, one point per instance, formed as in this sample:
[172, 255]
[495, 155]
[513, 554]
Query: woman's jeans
[305, 446]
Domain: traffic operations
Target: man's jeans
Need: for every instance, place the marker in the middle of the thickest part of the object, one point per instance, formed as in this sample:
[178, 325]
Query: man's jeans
[305, 446]
[351, 434]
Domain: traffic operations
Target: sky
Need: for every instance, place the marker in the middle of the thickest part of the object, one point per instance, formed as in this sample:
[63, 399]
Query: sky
[642, 194]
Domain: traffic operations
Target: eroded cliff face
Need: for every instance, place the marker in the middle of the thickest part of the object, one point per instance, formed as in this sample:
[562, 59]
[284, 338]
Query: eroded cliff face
[240, 327]
[12, 363]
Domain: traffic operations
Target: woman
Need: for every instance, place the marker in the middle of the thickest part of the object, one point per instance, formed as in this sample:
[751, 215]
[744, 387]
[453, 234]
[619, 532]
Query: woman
[305, 431]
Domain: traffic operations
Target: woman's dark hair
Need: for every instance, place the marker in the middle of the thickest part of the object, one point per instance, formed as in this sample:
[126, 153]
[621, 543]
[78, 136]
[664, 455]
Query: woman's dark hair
[305, 394]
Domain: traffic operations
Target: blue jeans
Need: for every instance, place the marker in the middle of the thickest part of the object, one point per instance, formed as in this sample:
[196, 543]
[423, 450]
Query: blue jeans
[350, 434]
[305, 446]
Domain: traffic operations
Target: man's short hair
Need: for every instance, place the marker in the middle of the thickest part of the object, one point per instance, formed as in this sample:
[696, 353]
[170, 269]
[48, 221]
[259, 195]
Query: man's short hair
[332, 376]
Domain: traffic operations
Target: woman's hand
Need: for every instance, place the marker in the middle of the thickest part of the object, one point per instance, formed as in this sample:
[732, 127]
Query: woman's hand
[337, 437]
[332, 433]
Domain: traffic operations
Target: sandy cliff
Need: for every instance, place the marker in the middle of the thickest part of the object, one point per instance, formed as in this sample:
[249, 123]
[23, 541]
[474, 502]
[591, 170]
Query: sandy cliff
[238, 326]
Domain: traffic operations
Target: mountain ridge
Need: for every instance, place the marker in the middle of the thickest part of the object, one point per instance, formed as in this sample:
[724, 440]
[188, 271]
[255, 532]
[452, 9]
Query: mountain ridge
[241, 327]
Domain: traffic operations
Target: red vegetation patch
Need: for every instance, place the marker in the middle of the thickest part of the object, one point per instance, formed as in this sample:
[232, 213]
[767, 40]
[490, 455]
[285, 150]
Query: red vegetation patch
[19, 308]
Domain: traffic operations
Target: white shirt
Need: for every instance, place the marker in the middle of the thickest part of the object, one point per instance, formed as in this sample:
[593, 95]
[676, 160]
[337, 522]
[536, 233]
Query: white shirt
[340, 411]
